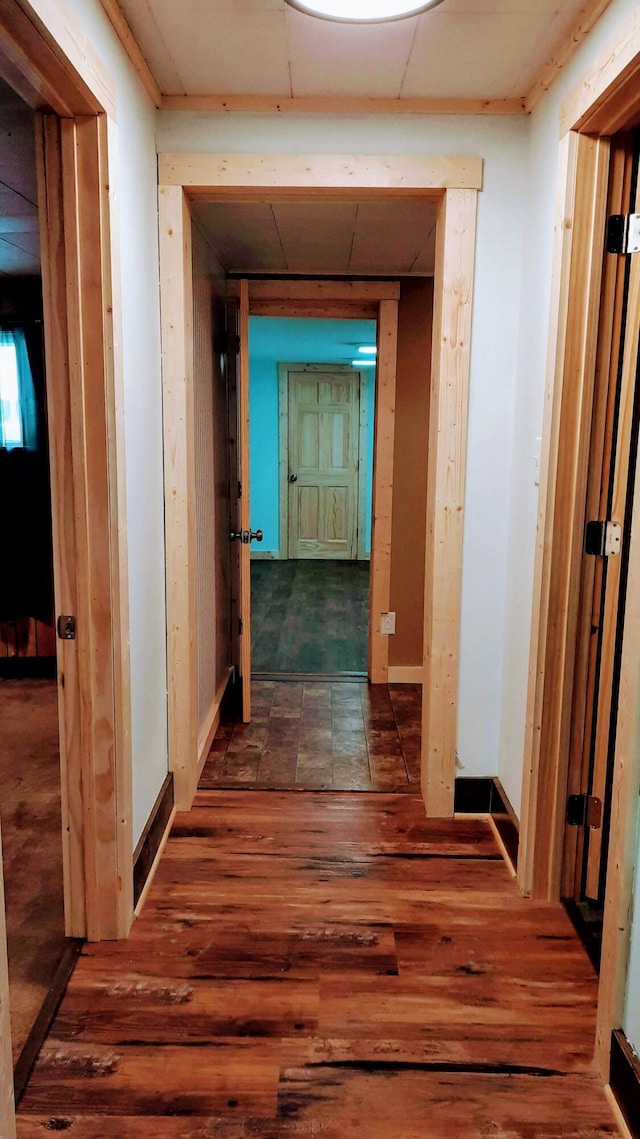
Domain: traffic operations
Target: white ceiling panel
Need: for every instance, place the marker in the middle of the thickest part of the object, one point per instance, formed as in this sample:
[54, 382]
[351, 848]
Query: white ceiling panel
[19, 241]
[393, 240]
[347, 58]
[243, 235]
[319, 234]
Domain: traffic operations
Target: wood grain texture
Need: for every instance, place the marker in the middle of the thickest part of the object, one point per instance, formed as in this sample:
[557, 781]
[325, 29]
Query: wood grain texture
[316, 292]
[176, 301]
[341, 105]
[202, 175]
[334, 964]
[591, 13]
[131, 47]
[382, 519]
[453, 297]
[606, 100]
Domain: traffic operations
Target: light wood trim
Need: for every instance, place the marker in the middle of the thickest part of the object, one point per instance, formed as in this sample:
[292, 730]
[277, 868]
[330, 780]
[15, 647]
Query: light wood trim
[615, 1107]
[453, 296]
[323, 291]
[176, 306]
[130, 45]
[245, 500]
[567, 429]
[212, 722]
[591, 13]
[340, 105]
[7, 1104]
[59, 67]
[283, 461]
[384, 434]
[205, 175]
[316, 310]
[363, 465]
[405, 674]
[608, 95]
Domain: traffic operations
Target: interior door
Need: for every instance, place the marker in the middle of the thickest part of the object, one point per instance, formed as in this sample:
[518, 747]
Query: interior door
[324, 419]
[613, 447]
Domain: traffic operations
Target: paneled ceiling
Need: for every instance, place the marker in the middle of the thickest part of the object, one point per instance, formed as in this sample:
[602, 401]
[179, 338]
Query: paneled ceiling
[335, 238]
[481, 49]
[19, 241]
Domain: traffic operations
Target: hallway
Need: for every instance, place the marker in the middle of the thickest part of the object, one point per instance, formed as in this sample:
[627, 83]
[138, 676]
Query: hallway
[331, 965]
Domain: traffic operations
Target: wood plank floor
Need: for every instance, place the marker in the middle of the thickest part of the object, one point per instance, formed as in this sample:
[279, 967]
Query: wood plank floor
[311, 735]
[309, 616]
[331, 965]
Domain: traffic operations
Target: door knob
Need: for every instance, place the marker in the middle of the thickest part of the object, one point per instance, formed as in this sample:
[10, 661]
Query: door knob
[246, 536]
[255, 535]
[293, 478]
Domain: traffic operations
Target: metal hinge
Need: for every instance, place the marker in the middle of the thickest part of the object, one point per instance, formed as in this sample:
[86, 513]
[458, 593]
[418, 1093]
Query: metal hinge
[623, 233]
[604, 539]
[584, 811]
[66, 627]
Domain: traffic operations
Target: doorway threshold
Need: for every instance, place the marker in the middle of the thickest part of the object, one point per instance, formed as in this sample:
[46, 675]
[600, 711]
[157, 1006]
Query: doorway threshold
[320, 677]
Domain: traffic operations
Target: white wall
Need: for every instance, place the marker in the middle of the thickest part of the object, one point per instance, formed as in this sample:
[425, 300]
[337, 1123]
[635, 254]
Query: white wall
[137, 191]
[502, 142]
[540, 184]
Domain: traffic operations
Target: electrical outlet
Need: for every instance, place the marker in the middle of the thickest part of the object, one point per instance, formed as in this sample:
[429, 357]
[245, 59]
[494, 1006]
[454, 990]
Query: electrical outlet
[388, 624]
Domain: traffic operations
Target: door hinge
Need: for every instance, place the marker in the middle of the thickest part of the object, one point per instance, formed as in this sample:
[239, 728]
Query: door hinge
[66, 627]
[584, 811]
[623, 233]
[240, 626]
[604, 539]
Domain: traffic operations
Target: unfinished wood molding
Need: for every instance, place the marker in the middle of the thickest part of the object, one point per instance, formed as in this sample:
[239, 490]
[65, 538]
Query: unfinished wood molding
[130, 45]
[176, 310]
[608, 96]
[7, 1104]
[405, 673]
[53, 59]
[211, 176]
[453, 298]
[383, 440]
[340, 105]
[584, 166]
[316, 310]
[212, 722]
[591, 13]
[323, 291]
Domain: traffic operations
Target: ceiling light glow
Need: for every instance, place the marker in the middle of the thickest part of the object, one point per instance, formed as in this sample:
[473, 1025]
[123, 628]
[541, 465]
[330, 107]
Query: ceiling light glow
[363, 363]
[363, 11]
[367, 351]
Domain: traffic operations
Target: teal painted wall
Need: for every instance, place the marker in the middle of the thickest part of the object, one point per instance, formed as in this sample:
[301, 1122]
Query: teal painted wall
[275, 340]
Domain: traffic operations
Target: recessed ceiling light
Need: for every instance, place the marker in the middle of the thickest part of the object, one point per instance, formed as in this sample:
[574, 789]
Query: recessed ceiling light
[368, 351]
[363, 11]
[363, 363]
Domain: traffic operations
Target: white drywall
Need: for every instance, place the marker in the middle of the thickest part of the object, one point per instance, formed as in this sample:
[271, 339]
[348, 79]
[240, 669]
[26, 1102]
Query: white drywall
[502, 143]
[137, 192]
[541, 181]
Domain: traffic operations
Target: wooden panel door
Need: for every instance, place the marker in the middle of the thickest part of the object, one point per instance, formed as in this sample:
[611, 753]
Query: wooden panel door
[611, 458]
[324, 414]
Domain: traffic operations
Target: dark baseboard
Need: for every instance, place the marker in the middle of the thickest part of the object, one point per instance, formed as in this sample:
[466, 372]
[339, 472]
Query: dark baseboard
[28, 668]
[624, 1079]
[151, 837]
[44, 1019]
[485, 795]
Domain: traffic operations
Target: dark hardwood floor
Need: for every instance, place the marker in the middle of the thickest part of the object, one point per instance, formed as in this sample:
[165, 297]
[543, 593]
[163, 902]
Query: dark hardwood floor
[309, 616]
[327, 965]
[342, 736]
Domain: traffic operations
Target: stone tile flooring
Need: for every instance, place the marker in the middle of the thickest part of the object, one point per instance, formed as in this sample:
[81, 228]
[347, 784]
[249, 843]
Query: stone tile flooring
[309, 735]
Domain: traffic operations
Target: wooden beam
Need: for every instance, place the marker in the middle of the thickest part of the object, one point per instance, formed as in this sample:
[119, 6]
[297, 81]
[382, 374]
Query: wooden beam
[608, 96]
[453, 295]
[384, 434]
[7, 1105]
[318, 291]
[176, 301]
[584, 164]
[591, 12]
[205, 176]
[316, 310]
[340, 105]
[130, 45]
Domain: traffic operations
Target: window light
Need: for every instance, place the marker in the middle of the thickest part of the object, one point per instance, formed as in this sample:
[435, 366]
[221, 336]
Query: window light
[363, 11]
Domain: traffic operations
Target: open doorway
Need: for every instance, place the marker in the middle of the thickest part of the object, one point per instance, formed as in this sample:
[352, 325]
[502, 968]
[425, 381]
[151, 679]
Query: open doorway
[311, 449]
[30, 782]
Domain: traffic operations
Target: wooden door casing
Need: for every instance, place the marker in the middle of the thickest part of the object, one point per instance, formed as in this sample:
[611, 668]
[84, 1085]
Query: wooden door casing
[323, 459]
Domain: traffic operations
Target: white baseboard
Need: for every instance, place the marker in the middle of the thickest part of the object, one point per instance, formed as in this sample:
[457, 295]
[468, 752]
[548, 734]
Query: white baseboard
[405, 674]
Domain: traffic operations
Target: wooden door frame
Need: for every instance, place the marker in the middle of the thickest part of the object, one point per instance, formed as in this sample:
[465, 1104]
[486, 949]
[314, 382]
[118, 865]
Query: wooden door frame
[607, 100]
[51, 64]
[283, 440]
[451, 183]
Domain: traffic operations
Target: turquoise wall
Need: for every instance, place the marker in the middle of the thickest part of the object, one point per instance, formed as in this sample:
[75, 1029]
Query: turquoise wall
[275, 340]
